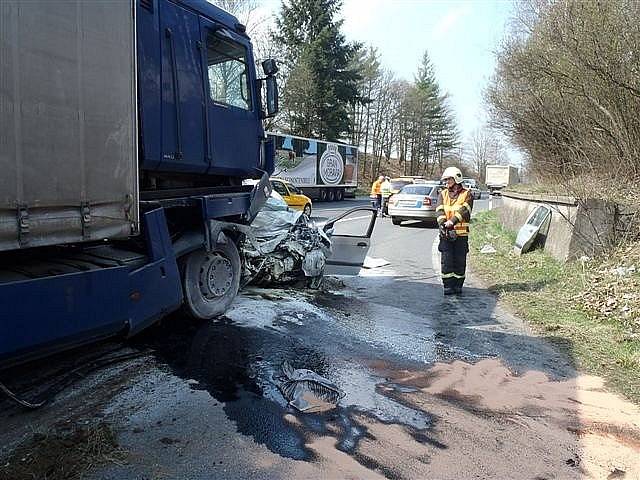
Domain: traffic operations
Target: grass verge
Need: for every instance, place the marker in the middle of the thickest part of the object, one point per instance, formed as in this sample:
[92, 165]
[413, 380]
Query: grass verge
[590, 304]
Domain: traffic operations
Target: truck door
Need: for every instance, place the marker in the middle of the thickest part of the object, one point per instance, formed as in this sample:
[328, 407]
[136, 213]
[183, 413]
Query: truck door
[183, 132]
[350, 240]
[234, 125]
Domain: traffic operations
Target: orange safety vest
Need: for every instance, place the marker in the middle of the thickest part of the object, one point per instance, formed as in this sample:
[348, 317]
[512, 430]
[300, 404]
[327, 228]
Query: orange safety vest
[452, 209]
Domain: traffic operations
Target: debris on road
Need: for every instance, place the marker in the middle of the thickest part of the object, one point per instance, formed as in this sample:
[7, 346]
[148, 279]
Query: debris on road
[488, 249]
[534, 230]
[370, 262]
[306, 390]
[286, 246]
[623, 271]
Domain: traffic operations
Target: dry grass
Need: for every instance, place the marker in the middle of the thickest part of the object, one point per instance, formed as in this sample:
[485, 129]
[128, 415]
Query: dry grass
[594, 304]
[62, 454]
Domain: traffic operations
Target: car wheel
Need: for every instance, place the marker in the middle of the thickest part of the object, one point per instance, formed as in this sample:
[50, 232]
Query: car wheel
[211, 280]
[332, 195]
[396, 220]
[307, 210]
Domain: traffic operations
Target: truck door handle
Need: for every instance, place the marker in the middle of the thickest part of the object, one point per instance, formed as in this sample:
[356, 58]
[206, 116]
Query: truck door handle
[361, 244]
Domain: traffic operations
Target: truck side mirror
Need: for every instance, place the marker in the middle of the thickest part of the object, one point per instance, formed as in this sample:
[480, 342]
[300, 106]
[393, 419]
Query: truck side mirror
[272, 96]
[270, 67]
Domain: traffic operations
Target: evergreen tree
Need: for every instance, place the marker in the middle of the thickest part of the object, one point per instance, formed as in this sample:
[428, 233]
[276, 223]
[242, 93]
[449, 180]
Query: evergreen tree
[437, 129]
[321, 83]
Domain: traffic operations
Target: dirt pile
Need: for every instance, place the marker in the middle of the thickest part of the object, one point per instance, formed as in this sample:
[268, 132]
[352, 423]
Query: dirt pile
[492, 423]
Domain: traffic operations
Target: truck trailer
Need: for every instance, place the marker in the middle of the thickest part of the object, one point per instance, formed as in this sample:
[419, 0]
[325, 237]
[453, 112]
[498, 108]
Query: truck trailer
[324, 171]
[127, 128]
[500, 176]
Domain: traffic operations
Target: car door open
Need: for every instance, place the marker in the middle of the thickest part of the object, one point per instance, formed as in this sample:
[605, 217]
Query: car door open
[350, 240]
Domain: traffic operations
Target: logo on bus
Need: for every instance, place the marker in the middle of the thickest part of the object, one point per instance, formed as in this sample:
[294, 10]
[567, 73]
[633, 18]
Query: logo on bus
[331, 166]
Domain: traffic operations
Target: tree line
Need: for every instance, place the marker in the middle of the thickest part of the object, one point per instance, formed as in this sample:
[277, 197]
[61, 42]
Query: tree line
[337, 90]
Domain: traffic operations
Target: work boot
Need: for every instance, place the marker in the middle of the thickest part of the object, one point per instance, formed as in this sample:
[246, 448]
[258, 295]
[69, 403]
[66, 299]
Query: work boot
[448, 291]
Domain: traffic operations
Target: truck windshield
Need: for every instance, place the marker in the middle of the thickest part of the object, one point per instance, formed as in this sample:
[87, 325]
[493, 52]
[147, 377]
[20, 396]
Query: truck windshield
[228, 72]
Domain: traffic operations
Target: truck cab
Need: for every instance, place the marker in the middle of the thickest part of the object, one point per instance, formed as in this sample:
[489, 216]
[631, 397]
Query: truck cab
[199, 97]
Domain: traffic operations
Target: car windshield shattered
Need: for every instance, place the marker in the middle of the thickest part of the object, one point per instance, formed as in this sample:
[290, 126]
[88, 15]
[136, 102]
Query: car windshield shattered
[285, 247]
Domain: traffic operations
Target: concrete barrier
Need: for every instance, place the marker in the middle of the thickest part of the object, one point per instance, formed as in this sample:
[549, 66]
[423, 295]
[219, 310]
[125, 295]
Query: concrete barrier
[577, 227]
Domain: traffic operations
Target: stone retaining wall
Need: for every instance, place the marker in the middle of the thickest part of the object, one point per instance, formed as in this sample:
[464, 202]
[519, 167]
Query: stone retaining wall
[576, 228]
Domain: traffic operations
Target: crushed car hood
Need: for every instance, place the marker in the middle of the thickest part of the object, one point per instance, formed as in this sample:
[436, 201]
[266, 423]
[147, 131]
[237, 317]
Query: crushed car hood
[285, 247]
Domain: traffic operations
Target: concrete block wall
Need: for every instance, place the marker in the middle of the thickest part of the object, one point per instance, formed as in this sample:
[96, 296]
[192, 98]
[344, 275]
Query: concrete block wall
[576, 228]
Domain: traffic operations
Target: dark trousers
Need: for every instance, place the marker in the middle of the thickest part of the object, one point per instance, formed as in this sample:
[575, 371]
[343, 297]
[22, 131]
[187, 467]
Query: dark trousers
[453, 261]
[377, 202]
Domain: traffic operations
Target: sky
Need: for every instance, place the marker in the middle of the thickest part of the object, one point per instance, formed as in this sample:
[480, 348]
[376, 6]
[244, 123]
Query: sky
[460, 37]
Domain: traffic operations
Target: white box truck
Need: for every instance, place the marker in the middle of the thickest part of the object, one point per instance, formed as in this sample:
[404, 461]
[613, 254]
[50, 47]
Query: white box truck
[500, 176]
[324, 171]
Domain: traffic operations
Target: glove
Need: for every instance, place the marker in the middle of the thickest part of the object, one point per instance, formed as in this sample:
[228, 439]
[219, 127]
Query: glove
[448, 224]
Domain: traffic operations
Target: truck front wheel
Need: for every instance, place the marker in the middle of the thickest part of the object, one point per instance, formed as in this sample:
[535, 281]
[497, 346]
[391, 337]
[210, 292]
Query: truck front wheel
[211, 280]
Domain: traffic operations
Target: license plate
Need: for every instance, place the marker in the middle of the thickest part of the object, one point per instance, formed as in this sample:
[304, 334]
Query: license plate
[410, 204]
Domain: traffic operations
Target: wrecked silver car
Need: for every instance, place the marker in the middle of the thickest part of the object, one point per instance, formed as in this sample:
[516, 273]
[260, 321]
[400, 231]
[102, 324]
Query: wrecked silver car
[286, 246]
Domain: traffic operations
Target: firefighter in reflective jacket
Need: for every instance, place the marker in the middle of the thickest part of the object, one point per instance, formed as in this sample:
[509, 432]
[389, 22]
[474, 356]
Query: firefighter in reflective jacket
[454, 214]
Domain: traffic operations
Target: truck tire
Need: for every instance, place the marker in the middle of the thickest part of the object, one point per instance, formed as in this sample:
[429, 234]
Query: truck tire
[396, 220]
[331, 195]
[339, 194]
[323, 195]
[211, 280]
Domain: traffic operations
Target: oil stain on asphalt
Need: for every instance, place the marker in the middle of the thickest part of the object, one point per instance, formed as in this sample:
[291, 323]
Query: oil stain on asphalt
[238, 360]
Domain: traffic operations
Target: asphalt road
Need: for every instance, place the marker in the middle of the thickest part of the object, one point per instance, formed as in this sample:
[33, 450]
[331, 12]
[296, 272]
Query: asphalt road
[432, 387]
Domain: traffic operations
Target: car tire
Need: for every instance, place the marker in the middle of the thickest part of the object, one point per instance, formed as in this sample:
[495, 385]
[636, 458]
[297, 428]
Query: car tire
[396, 220]
[211, 280]
[307, 210]
[331, 195]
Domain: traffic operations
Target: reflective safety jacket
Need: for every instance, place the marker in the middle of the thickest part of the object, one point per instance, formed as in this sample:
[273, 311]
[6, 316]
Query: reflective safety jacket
[457, 208]
[385, 188]
[376, 188]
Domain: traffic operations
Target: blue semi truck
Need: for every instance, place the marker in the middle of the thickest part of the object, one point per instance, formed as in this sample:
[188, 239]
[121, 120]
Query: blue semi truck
[127, 128]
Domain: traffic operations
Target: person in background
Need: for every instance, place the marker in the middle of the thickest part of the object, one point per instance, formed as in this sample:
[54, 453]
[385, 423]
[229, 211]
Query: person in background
[385, 190]
[454, 207]
[376, 193]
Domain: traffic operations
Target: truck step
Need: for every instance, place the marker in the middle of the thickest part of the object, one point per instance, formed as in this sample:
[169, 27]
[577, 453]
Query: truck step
[92, 258]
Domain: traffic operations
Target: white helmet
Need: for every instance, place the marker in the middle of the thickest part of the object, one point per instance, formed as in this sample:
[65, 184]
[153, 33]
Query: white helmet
[452, 172]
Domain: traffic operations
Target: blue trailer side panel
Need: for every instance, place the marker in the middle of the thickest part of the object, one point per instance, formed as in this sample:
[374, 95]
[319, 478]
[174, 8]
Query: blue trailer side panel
[49, 314]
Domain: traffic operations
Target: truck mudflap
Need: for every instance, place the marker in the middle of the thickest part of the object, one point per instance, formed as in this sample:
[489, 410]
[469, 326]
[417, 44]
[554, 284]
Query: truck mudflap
[43, 315]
